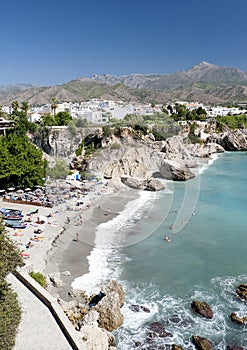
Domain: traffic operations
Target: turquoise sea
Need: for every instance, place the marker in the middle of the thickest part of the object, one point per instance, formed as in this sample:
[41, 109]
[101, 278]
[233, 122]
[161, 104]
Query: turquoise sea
[205, 260]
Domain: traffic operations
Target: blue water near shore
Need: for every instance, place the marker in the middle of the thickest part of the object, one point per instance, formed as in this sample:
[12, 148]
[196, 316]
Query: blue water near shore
[206, 261]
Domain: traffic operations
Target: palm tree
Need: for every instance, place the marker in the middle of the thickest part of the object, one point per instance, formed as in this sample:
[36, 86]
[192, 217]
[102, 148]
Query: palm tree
[54, 105]
[25, 107]
[15, 105]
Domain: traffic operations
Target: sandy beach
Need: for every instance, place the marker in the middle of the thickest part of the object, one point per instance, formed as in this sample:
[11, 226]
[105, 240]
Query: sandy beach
[68, 232]
[70, 253]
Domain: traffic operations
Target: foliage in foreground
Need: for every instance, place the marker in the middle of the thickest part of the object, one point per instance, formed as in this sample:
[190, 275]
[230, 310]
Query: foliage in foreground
[10, 312]
[39, 277]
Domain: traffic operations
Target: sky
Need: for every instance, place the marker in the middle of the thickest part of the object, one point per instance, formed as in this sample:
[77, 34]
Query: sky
[56, 41]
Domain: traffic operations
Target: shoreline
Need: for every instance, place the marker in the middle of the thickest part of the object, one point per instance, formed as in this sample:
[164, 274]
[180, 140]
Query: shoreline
[71, 255]
[59, 251]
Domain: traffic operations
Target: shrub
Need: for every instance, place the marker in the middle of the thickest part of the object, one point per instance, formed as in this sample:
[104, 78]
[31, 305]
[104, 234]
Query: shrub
[39, 277]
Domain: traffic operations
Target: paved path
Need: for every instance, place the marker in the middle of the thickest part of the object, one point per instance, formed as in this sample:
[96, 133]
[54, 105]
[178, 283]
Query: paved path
[38, 329]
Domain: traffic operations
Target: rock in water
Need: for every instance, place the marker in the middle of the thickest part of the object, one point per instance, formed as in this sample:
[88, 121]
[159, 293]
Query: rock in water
[242, 291]
[157, 330]
[110, 316]
[173, 170]
[202, 308]
[202, 343]
[239, 320]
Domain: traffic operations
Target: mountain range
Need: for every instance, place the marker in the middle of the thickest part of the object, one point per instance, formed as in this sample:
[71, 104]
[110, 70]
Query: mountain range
[205, 82]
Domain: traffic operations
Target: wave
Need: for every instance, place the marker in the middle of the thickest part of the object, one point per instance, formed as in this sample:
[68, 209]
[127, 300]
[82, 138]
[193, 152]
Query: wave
[105, 259]
[210, 161]
[177, 317]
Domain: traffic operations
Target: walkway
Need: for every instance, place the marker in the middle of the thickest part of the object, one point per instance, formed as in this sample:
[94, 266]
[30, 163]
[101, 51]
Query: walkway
[38, 330]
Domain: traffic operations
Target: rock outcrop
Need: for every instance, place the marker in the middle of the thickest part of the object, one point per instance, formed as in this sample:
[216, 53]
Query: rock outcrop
[96, 316]
[108, 308]
[61, 141]
[172, 170]
[138, 308]
[231, 140]
[239, 320]
[202, 343]
[157, 330]
[150, 184]
[206, 150]
[242, 291]
[202, 308]
[94, 337]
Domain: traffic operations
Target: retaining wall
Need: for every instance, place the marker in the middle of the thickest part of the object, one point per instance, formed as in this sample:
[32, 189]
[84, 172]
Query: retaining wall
[47, 299]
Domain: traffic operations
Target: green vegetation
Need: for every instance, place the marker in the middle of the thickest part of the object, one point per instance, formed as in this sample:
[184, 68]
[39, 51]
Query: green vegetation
[232, 122]
[21, 162]
[59, 119]
[10, 312]
[39, 277]
[193, 138]
[182, 113]
[59, 171]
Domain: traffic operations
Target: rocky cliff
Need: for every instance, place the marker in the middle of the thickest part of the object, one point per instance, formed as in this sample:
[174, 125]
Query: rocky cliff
[137, 161]
[62, 142]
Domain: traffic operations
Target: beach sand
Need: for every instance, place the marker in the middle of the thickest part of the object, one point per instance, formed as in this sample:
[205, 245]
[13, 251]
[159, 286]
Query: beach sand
[68, 235]
[68, 254]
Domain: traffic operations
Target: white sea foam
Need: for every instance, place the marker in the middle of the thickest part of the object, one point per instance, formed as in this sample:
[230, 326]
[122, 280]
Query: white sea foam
[177, 317]
[210, 161]
[110, 237]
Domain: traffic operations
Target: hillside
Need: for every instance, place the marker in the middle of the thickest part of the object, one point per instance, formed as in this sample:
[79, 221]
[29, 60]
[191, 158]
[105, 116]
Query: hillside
[204, 82]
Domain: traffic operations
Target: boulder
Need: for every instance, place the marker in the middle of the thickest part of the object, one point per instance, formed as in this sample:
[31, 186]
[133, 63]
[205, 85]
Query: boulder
[176, 347]
[108, 308]
[202, 343]
[94, 337]
[234, 140]
[138, 308]
[238, 320]
[154, 185]
[206, 150]
[242, 291]
[133, 182]
[202, 308]
[157, 330]
[172, 170]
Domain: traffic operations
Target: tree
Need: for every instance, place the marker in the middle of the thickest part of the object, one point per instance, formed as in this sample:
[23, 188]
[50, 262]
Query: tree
[47, 120]
[62, 118]
[25, 107]
[22, 125]
[54, 105]
[21, 162]
[15, 105]
[10, 312]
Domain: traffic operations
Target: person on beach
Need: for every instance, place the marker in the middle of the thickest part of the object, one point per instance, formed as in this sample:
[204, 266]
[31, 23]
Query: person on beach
[77, 237]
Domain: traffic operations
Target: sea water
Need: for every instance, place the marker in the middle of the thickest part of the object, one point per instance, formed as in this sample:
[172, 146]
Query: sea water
[206, 259]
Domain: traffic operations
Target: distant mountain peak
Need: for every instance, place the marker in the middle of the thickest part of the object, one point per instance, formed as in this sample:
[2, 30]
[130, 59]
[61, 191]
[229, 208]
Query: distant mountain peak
[203, 65]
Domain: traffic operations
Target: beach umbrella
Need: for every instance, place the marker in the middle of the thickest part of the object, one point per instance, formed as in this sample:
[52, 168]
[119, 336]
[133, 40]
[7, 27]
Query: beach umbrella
[11, 189]
[2, 191]
[20, 191]
[28, 189]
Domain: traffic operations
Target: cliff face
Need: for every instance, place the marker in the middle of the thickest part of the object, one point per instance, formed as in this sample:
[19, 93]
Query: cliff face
[62, 142]
[146, 158]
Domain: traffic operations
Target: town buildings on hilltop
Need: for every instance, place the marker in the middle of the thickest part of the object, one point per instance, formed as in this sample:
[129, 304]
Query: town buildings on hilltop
[98, 111]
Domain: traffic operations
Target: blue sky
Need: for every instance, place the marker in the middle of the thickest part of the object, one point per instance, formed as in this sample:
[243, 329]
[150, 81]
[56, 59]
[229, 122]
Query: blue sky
[52, 42]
